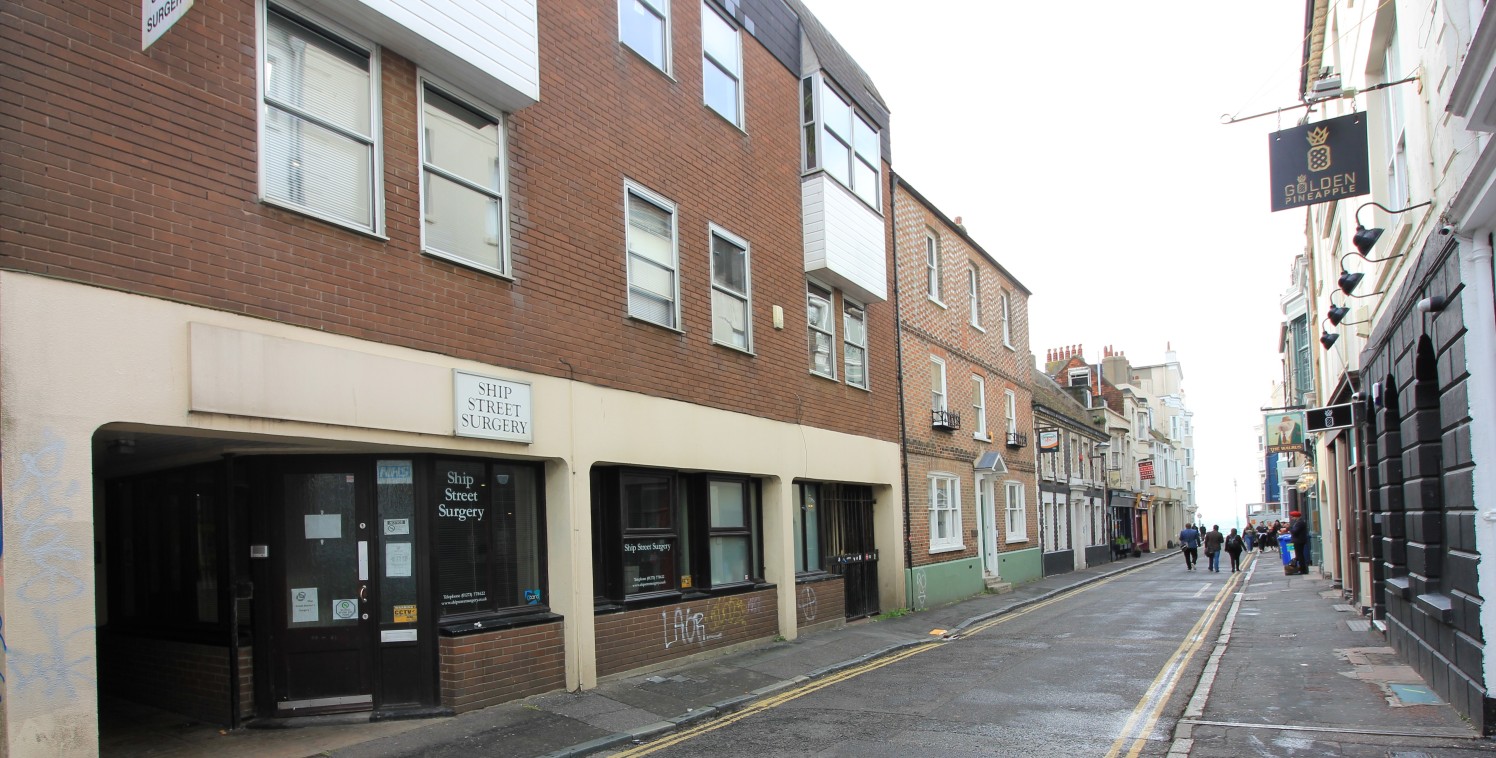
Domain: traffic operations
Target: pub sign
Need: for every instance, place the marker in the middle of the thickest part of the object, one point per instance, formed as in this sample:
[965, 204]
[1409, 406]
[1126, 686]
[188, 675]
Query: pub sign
[1320, 162]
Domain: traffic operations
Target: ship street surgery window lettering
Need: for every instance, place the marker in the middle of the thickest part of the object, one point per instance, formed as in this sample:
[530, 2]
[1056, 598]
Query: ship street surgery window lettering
[721, 65]
[659, 534]
[644, 25]
[653, 285]
[822, 330]
[489, 537]
[854, 346]
[491, 408]
[462, 183]
[319, 152]
[945, 512]
[731, 322]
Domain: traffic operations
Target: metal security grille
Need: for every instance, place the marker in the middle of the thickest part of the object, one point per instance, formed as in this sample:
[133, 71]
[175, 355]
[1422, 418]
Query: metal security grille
[847, 528]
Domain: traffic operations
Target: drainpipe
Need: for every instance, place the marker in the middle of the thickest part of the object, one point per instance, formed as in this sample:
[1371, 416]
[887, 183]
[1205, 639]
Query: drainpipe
[1478, 303]
[898, 343]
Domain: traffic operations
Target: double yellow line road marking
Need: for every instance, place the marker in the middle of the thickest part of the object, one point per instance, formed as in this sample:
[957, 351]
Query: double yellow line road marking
[1152, 703]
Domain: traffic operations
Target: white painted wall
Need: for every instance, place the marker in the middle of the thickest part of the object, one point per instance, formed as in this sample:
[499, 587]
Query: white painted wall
[844, 239]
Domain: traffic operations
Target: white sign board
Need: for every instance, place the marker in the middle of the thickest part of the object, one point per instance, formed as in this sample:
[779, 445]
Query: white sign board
[156, 16]
[494, 409]
[304, 605]
[397, 557]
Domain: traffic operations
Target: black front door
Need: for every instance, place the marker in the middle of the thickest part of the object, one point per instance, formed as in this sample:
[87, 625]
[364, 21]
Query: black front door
[321, 601]
[850, 549]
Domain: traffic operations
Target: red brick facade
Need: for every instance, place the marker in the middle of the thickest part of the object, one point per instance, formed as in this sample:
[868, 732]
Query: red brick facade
[479, 670]
[634, 639]
[941, 328]
[138, 171]
[820, 604]
[181, 677]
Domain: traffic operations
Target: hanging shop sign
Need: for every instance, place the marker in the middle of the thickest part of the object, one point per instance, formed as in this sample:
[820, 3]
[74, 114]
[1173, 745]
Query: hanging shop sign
[490, 408]
[1049, 440]
[1329, 417]
[1285, 431]
[1320, 162]
[1145, 469]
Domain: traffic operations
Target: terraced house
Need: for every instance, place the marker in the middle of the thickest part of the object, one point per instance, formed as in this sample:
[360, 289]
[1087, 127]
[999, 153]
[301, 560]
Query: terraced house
[404, 356]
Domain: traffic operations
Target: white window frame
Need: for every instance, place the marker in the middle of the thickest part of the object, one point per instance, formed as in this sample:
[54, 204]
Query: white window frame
[499, 193]
[1015, 511]
[939, 396]
[848, 305]
[951, 485]
[745, 297]
[634, 192]
[974, 289]
[661, 10]
[816, 289]
[1005, 306]
[979, 407]
[732, 69]
[845, 135]
[1010, 410]
[373, 141]
[932, 268]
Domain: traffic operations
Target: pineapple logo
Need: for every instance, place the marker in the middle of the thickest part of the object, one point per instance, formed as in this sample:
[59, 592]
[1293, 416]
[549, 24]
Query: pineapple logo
[1319, 152]
[1303, 185]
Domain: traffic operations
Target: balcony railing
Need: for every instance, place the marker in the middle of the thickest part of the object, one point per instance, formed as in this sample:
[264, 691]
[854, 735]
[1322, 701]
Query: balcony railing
[948, 420]
[1017, 439]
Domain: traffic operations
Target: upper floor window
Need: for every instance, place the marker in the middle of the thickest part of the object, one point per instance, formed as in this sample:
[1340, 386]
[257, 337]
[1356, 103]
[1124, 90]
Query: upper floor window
[932, 266]
[839, 140]
[653, 285]
[974, 289]
[1007, 319]
[732, 323]
[644, 25]
[721, 65]
[979, 406]
[1010, 411]
[854, 345]
[319, 150]
[462, 203]
[822, 330]
[937, 385]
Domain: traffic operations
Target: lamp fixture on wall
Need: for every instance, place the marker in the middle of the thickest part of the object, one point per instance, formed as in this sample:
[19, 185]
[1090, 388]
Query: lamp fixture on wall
[1363, 240]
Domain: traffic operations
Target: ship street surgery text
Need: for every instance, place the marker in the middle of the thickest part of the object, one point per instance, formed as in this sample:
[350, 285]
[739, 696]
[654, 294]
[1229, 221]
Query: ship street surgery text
[491, 408]
[464, 495]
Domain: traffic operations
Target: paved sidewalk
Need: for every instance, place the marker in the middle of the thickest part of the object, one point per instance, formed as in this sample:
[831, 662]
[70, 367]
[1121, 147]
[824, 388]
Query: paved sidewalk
[1287, 663]
[1296, 671]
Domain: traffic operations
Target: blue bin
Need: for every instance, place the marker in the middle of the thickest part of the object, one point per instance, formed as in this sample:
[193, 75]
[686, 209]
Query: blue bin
[1285, 551]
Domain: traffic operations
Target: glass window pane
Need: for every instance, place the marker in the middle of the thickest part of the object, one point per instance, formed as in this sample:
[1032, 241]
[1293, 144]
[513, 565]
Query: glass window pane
[649, 232]
[811, 161]
[820, 353]
[818, 304]
[652, 279]
[853, 324]
[727, 505]
[649, 565]
[310, 72]
[462, 222]
[812, 518]
[720, 91]
[643, 30]
[837, 158]
[865, 182]
[461, 141]
[319, 169]
[646, 502]
[865, 141]
[836, 115]
[464, 541]
[729, 560]
[856, 371]
[719, 39]
[729, 265]
[729, 319]
[324, 570]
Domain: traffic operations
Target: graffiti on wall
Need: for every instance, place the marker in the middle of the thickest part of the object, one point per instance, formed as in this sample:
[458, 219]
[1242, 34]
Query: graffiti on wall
[683, 626]
[807, 603]
[54, 568]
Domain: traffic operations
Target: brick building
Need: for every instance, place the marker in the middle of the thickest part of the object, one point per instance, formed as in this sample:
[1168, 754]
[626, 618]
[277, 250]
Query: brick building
[376, 364]
[963, 331]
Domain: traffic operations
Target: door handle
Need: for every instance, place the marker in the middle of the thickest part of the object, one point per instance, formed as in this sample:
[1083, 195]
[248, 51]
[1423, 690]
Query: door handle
[362, 589]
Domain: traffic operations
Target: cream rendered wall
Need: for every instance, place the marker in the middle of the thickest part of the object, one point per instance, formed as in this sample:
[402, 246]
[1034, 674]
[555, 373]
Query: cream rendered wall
[73, 358]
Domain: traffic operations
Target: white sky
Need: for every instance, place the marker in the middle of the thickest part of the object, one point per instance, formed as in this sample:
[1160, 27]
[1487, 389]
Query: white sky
[1082, 145]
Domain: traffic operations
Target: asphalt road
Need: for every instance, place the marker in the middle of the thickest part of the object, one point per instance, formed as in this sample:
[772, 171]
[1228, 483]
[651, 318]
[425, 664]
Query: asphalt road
[1104, 670]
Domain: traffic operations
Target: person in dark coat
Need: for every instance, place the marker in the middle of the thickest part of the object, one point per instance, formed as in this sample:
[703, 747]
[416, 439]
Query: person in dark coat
[1298, 532]
[1234, 545]
[1189, 543]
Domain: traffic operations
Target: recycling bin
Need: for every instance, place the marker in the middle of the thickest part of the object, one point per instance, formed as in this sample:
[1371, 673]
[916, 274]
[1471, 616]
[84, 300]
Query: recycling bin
[1285, 551]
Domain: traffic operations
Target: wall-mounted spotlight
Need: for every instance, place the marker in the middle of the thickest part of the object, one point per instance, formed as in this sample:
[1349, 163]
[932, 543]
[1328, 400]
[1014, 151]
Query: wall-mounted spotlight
[1337, 314]
[1365, 238]
[1349, 281]
[1327, 338]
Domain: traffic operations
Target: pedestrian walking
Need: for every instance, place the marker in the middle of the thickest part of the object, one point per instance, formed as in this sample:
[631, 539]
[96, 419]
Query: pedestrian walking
[1234, 545]
[1248, 535]
[1298, 533]
[1189, 541]
[1213, 542]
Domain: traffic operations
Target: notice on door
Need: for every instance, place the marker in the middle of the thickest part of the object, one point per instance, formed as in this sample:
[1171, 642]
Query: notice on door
[397, 559]
[344, 610]
[324, 526]
[405, 614]
[304, 605]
